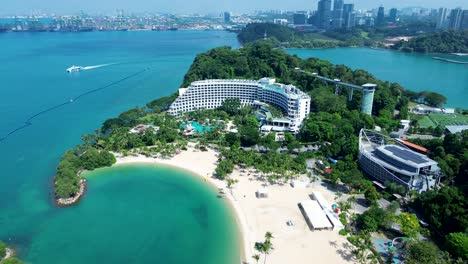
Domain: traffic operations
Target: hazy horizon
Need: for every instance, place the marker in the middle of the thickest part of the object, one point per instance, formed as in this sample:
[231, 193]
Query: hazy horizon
[201, 6]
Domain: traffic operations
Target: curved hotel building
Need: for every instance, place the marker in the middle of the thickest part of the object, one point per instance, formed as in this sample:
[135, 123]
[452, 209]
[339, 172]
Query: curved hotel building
[386, 160]
[210, 94]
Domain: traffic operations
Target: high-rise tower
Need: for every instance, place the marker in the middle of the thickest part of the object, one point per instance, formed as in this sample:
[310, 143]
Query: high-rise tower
[380, 17]
[456, 16]
[324, 14]
[227, 17]
[393, 15]
[442, 18]
[338, 20]
[349, 16]
[464, 21]
[368, 91]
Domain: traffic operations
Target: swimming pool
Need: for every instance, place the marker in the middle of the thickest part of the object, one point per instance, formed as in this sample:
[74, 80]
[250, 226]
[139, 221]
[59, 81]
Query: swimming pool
[197, 127]
[383, 247]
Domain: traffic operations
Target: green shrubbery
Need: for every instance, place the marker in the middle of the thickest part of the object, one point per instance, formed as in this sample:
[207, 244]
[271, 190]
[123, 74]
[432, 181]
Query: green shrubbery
[2, 250]
[67, 181]
[12, 261]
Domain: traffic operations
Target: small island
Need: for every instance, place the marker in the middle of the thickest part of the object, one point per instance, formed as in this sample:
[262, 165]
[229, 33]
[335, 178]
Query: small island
[7, 255]
[294, 138]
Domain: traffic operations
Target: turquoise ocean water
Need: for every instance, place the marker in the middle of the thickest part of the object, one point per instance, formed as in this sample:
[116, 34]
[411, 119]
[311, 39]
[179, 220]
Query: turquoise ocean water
[416, 72]
[113, 224]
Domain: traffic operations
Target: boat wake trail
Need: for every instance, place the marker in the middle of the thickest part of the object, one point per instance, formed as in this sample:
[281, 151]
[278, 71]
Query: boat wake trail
[97, 66]
[28, 122]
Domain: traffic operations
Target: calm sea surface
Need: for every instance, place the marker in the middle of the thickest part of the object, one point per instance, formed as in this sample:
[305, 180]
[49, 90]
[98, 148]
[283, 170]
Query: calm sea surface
[131, 214]
[416, 72]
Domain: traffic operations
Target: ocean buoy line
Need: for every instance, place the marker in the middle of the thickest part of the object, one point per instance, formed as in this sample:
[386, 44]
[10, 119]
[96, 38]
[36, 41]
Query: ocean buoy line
[28, 122]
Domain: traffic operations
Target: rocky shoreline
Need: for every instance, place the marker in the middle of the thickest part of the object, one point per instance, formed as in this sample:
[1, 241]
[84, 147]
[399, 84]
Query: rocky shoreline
[8, 254]
[74, 199]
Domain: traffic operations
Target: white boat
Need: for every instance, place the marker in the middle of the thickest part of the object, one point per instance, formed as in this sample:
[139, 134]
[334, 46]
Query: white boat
[74, 69]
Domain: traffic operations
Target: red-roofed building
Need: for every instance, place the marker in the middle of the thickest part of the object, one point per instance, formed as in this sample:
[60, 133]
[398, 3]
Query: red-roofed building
[414, 147]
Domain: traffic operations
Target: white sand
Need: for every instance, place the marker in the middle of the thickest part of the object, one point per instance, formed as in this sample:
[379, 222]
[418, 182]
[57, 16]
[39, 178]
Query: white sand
[292, 244]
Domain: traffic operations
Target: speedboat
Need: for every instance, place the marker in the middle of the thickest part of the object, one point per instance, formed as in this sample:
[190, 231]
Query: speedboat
[74, 69]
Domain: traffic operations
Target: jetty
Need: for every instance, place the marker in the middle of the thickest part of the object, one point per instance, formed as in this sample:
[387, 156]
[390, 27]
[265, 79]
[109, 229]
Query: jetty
[449, 60]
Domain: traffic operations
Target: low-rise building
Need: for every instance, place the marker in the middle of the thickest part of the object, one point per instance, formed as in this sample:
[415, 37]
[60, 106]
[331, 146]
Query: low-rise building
[386, 159]
[453, 129]
[143, 128]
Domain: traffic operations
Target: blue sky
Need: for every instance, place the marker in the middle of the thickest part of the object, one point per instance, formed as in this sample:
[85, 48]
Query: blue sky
[188, 6]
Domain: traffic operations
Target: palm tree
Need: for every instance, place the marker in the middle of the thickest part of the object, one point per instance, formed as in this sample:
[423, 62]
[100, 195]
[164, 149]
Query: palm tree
[338, 195]
[256, 257]
[264, 247]
[352, 201]
[230, 183]
[344, 206]
[267, 246]
[268, 236]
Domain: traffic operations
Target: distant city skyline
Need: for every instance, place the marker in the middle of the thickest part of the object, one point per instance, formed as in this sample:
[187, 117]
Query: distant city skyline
[200, 6]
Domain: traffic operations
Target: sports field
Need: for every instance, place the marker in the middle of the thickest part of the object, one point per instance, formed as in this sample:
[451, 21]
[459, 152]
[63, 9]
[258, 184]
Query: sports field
[434, 120]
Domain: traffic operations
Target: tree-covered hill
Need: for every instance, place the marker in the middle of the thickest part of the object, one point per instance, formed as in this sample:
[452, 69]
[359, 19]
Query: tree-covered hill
[439, 42]
[283, 36]
[256, 31]
[261, 60]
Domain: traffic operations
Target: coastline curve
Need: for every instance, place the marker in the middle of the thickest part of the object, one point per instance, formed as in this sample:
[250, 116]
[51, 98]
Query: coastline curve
[206, 164]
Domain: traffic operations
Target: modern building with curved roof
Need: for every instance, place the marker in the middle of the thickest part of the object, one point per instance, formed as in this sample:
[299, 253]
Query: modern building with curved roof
[386, 159]
[210, 94]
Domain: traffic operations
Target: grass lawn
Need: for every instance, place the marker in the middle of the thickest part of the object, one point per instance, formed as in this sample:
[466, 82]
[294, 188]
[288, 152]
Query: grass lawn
[426, 122]
[449, 119]
[434, 120]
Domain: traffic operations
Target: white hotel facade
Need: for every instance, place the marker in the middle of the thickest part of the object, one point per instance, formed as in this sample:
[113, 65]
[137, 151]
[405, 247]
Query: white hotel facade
[210, 94]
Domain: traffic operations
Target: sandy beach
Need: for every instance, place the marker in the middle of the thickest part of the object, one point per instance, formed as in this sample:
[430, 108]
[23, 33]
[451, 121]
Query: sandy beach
[292, 244]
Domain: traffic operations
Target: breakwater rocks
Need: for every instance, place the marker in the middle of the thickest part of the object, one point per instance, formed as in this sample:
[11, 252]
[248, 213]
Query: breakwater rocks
[74, 199]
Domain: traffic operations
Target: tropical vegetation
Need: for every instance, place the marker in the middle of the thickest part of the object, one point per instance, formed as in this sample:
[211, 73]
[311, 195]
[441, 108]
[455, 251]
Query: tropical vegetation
[2, 250]
[422, 31]
[10, 260]
[438, 42]
[286, 37]
[264, 247]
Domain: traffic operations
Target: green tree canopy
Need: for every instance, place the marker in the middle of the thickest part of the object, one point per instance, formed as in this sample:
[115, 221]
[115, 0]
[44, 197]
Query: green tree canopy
[422, 252]
[438, 42]
[457, 244]
[2, 250]
[231, 106]
[12, 260]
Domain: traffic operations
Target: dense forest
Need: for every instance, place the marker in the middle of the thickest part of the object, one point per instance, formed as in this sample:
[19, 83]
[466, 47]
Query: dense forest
[439, 42]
